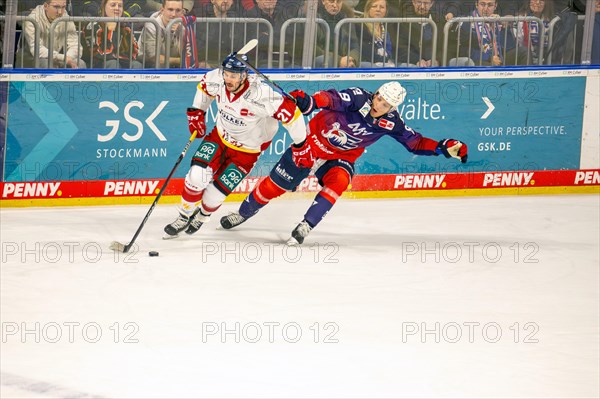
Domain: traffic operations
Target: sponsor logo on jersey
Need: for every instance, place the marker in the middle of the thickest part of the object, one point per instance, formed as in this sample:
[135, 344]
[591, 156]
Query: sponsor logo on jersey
[365, 109]
[509, 179]
[231, 118]
[419, 181]
[246, 112]
[37, 189]
[231, 177]
[283, 173]
[321, 146]
[116, 188]
[384, 123]
[359, 129]
[587, 177]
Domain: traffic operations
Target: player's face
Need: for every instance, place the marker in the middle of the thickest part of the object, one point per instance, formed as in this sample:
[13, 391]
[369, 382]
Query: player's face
[379, 107]
[233, 81]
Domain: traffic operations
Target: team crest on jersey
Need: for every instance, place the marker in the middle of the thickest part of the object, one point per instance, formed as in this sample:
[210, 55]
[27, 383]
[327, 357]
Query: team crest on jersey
[341, 139]
[245, 112]
[384, 123]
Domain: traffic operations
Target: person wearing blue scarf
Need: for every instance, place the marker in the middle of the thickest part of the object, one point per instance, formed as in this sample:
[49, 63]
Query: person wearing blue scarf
[492, 44]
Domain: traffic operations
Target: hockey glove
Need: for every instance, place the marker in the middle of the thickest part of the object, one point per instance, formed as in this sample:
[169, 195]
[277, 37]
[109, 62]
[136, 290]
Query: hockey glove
[304, 102]
[452, 148]
[302, 155]
[196, 121]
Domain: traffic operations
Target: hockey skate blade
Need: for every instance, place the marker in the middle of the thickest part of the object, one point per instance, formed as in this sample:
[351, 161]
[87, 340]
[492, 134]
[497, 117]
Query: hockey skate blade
[117, 246]
[292, 242]
[169, 237]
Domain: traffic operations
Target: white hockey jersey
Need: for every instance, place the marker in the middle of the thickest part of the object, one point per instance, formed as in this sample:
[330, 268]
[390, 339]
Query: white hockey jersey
[248, 120]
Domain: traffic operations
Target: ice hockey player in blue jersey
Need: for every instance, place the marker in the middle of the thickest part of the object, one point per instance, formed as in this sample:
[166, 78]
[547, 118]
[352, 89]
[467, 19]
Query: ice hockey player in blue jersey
[349, 121]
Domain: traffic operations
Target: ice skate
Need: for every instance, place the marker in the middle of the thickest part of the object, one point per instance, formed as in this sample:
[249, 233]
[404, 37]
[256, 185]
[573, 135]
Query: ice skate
[172, 230]
[232, 220]
[196, 222]
[299, 233]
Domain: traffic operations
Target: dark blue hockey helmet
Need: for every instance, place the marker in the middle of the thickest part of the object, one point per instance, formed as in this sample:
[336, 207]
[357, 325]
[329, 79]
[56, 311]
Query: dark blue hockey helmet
[232, 63]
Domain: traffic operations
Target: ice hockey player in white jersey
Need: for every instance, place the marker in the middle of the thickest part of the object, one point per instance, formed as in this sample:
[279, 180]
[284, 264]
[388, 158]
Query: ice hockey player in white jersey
[248, 117]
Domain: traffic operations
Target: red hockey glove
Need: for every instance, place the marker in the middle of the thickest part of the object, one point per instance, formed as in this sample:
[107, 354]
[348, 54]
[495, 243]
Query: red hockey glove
[304, 102]
[452, 148]
[302, 155]
[196, 121]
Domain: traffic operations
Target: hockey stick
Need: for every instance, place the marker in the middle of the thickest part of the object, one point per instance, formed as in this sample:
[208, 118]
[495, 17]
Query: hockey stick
[249, 46]
[117, 246]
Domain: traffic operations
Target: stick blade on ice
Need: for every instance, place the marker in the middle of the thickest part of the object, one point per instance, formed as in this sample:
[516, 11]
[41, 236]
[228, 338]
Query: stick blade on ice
[248, 46]
[117, 246]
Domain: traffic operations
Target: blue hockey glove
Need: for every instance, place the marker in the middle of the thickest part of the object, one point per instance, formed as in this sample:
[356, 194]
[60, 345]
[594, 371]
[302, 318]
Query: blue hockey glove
[452, 148]
[304, 102]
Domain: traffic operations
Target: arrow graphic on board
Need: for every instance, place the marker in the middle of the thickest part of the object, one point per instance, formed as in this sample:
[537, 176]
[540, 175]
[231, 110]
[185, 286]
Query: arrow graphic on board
[490, 106]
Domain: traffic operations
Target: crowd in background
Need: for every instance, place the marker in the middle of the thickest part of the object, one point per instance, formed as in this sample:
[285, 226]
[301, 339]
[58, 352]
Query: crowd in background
[102, 44]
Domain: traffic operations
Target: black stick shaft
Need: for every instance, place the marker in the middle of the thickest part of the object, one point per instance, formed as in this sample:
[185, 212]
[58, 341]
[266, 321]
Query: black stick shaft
[160, 193]
[266, 79]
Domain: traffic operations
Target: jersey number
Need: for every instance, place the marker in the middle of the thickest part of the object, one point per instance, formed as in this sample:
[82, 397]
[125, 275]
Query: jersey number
[284, 115]
[345, 97]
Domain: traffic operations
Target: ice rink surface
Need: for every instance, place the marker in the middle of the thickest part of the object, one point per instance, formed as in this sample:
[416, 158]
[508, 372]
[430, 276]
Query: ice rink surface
[447, 297]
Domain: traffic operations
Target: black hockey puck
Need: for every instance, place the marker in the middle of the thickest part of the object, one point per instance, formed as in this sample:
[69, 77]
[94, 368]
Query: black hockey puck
[153, 253]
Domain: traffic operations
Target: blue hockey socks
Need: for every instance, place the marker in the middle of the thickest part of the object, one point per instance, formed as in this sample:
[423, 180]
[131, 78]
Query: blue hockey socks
[317, 210]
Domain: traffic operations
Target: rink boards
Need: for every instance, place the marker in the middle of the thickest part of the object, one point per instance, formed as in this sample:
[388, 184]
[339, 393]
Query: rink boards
[112, 137]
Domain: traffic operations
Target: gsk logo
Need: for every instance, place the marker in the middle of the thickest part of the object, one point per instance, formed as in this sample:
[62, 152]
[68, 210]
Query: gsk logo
[115, 123]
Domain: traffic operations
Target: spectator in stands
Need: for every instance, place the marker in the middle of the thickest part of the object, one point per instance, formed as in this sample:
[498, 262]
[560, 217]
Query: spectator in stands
[204, 9]
[454, 7]
[150, 38]
[111, 45]
[375, 41]
[276, 12]
[333, 11]
[85, 8]
[153, 6]
[530, 33]
[419, 49]
[216, 40]
[492, 44]
[93, 8]
[65, 33]
[131, 8]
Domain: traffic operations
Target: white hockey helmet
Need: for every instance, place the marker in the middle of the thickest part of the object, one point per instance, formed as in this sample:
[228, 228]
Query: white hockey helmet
[393, 93]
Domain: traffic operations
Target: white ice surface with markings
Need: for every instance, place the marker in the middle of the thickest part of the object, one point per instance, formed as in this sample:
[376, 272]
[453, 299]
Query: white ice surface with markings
[512, 283]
